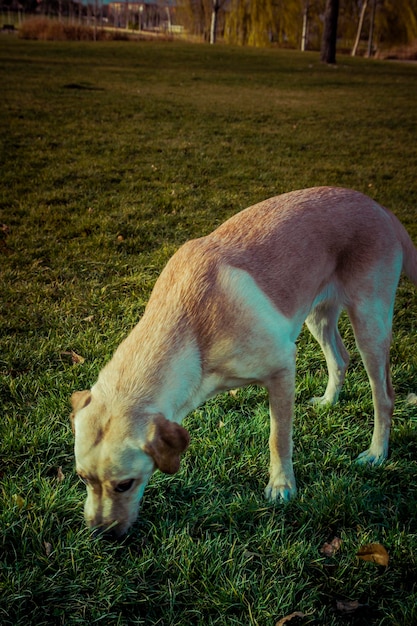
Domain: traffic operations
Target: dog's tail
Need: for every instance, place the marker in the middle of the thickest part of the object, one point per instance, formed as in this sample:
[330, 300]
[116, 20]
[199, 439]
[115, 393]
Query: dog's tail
[409, 252]
[410, 269]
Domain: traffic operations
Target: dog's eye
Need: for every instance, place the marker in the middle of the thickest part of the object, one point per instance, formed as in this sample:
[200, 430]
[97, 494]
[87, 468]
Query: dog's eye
[124, 486]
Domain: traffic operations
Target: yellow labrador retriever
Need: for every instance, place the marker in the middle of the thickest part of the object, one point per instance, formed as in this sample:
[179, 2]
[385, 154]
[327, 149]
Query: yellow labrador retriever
[225, 312]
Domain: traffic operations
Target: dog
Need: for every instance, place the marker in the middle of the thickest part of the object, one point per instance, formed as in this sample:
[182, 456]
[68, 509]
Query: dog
[226, 312]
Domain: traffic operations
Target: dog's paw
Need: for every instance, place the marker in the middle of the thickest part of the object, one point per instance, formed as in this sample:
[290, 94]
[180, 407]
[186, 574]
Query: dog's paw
[282, 492]
[370, 458]
[320, 401]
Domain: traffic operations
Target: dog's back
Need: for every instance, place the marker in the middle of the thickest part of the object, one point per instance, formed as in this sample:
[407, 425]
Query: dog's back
[294, 245]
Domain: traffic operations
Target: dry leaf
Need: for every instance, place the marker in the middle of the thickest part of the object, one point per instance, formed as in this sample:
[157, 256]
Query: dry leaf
[233, 392]
[19, 501]
[48, 547]
[329, 549]
[221, 424]
[60, 475]
[348, 606]
[374, 552]
[412, 398]
[89, 318]
[76, 358]
[286, 619]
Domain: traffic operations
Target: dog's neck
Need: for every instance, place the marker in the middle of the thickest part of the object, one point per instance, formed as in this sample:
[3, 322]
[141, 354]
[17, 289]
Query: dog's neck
[156, 369]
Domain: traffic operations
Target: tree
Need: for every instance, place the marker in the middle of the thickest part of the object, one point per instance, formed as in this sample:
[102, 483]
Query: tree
[358, 34]
[329, 39]
[304, 36]
[260, 22]
[216, 6]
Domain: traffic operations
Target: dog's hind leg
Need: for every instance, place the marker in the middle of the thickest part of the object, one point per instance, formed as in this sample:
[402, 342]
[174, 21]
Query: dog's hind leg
[322, 323]
[371, 321]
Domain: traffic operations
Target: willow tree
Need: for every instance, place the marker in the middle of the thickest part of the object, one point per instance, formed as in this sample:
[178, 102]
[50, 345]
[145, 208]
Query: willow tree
[387, 23]
[258, 22]
[396, 22]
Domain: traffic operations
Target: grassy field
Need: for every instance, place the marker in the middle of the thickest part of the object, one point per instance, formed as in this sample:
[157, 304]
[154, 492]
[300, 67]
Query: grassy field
[112, 156]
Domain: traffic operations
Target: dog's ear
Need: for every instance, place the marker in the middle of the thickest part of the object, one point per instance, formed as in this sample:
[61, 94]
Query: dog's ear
[79, 400]
[168, 440]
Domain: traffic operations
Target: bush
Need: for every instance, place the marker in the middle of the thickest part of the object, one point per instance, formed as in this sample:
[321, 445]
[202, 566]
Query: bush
[45, 29]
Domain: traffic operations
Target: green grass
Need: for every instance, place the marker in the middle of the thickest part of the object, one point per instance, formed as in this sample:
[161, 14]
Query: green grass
[112, 156]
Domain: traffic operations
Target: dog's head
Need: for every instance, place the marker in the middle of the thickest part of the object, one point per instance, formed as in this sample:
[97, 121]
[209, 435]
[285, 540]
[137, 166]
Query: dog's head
[116, 455]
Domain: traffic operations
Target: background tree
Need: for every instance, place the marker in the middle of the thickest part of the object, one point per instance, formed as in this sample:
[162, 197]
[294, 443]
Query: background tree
[395, 22]
[260, 22]
[360, 25]
[217, 5]
[329, 39]
[204, 18]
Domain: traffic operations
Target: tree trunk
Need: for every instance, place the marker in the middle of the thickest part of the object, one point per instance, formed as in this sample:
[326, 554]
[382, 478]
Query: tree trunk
[213, 25]
[304, 35]
[328, 42]
[371, 30]
[358, 34]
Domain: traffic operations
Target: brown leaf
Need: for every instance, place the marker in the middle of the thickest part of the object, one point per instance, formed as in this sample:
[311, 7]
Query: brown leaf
[89, 318]
[19, 501]
[286, 619]
[60, 474]
[75, 358]
[348, 606]
[329, 549]
[48, 547]
[412, 398]
[374, 552]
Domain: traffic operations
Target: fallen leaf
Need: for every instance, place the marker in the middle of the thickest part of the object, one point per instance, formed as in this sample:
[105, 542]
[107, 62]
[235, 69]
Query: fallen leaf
[60, 475]
[348, 606]
[89, 318]
[329, 549]
[19, 501]
[374, 552]
[286, 619]
[48, 547]
[233, 392]
[412, 398]
[76, 358]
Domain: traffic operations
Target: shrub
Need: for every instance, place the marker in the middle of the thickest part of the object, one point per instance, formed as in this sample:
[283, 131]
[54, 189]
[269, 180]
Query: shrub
[45, 29]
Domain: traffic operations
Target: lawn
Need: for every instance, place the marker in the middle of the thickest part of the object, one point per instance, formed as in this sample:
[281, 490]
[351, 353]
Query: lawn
[112, 155]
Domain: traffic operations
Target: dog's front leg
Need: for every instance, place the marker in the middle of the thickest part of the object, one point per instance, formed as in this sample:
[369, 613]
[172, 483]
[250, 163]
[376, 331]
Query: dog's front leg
[281, 388]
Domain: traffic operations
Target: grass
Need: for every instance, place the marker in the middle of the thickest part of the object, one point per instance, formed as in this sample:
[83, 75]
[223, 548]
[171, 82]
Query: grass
[113, 154]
